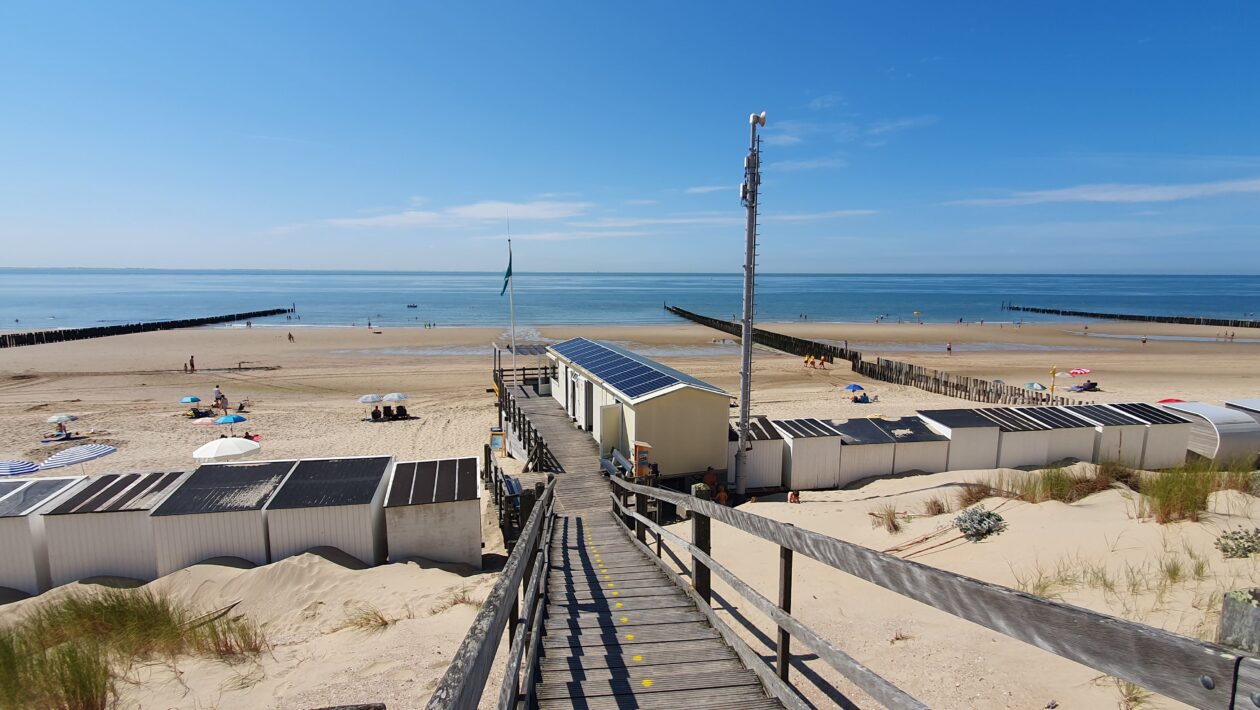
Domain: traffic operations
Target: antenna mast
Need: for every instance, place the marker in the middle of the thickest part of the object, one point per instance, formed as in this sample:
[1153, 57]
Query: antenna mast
[748, 195]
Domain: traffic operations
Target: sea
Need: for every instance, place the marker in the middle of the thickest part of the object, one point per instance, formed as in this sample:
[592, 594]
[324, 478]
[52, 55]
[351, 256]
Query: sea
[32, 299]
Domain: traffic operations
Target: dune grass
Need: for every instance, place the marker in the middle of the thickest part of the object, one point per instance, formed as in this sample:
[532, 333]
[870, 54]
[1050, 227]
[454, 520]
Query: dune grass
[70, 653]
[936, 505]
[886, 516]
[367, 617]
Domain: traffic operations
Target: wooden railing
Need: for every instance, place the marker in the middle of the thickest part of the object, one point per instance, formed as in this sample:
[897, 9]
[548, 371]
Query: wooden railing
[537, 456]
[464, 682]
[1200, 674]
[974, 389]
[61, 335]
[1180, 320]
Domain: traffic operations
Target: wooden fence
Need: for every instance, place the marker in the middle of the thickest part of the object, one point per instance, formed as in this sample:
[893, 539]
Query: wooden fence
[896, 372]
[42, 337]
[465, 679]
[537, 456]
[1179, 320]
[1194, 672]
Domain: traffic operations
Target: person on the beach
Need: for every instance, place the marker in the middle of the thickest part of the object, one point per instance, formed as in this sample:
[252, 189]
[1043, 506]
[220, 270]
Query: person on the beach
[794, 497]
[1143, 340]
[722, 496]
[185, 368]
[290, 337]
[710, 478]
[192, 364]
[949, 348]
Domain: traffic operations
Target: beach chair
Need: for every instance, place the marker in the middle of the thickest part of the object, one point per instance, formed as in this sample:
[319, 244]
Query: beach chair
[401, 412]
[389, 412]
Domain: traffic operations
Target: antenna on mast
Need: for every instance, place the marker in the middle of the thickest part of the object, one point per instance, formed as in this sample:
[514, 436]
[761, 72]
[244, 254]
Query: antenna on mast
[748, 195]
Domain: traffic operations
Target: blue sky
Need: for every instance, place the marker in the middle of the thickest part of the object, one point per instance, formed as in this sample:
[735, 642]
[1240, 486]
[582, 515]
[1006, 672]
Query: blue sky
[930, 137]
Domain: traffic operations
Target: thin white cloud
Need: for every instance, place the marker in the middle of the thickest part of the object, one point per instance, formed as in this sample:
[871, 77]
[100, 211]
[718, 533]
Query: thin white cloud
[707, 219]
[639, 203]
[705, 189]
[1119, 193]
[575, 236]
[825, 101]
[815, 216]
[785, 166]
[463, 215]
[896, 125]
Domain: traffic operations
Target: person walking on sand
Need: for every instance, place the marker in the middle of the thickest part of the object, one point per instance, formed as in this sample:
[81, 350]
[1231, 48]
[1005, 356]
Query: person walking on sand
[949, 348]
[192, 364]
[290, 337]
[1143, 341]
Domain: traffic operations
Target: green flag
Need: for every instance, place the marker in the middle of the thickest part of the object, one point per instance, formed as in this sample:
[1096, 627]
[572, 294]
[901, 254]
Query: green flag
[507, 276]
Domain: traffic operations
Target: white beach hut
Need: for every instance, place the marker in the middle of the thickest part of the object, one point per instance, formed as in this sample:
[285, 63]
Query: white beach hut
[1220, 433]
[1167, 434]
[104, 528]
[918, 447]
[764, 459]
[433, 511]
[811, 453]
[217, 512]
[23, 547]
[867, 450]
[1250, 406]
[973, 439]
[331, 503]
[1118, 437]
[1022, 441]
[1071, 437]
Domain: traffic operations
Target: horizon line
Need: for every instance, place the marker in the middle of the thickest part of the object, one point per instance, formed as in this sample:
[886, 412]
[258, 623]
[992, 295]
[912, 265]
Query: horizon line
[156, 269]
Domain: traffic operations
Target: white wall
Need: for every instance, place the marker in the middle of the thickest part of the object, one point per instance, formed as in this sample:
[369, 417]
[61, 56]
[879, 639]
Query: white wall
[765, 463]
[970, 449]
[183, 540]
[1023, 448]
[858, 461]
[117, 544]
[1121, 444]
[348, 528]
[18, 567]
[811, 463]
[1166, 446]
[926, 456]
[1070, 443]
[441, 532]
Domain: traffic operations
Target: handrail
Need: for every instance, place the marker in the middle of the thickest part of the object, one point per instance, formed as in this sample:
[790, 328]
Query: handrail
[1197, 673]
[464, 682]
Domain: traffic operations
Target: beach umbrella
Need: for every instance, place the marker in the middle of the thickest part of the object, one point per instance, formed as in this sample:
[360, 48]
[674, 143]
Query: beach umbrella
[232, 419]
[854, 387]
[1169, 400]
[370, 399]
[61, 418]
[225, 450]
[1062, 374]
[999, 382]
[1079, 371]
[394, 397]
[1036, 386]
[77, 455]
[17, 468]
[203, 421]
[190, 399]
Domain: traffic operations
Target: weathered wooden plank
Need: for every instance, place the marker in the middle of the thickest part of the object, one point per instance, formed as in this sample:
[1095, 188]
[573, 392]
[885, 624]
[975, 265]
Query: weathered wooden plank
[665, 652]
[1166, 663]
[662, 602]
[744, 698]
[628, 636]
[644, 686]
[640, 671]
[580, 586]
[1247, 687]
[613, 619]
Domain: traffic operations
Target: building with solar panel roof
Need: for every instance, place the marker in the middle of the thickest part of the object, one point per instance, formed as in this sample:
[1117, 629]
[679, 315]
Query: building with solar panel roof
[765, 456]
[433, 511]
[217, 512]
[973, 439]
[331, 503]
[1118, 437]
[621, 397]
[1167, 435]
[23, 547]
[104, 530]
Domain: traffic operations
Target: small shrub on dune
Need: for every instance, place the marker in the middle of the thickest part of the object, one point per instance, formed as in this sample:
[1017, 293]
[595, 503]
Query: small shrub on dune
[977, 523]
[1239, 543]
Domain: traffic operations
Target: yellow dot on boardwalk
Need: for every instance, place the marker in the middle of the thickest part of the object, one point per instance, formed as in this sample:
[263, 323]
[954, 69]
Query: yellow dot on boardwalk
[608, 576]
[619, 605]
[625, 619]
[611, 585]
[629, 637]
[638, 658]
[615, 593]
[647, 682]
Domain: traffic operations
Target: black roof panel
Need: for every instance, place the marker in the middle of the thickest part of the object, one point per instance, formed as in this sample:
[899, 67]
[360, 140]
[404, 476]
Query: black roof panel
[1100, 414]
[1009, 420]
[907, 430]
[1149, 413]
[958, 418]
[438, 481]
[759, 429]
[862, 431]
[322, 483]
[805, 428]
[226, 488]
[1055, 418]
[36, 494]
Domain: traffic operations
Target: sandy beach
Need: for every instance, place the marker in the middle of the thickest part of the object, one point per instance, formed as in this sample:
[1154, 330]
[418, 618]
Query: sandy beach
[304, 404]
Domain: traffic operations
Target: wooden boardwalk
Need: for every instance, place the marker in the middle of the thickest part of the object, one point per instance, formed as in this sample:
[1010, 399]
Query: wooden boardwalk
[580, 485]
[618, 632]
[621, 634]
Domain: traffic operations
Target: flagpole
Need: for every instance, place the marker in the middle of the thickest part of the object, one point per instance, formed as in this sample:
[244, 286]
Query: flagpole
[512, 306]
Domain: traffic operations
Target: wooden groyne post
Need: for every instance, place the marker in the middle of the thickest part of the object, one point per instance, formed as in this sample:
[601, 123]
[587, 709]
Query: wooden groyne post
[1178, 320]
[43, 337]
[884, 370]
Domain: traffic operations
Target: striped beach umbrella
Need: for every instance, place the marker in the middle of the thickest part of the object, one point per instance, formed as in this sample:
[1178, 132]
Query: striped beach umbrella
[61, 418]
[1079, 371]
[17, 468]
[370, 399]
[394, 397]
[77, 455]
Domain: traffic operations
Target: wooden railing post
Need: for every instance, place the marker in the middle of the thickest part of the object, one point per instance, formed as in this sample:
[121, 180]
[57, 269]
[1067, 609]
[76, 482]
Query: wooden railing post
[640, 507]
[700, 538]
[785, 603]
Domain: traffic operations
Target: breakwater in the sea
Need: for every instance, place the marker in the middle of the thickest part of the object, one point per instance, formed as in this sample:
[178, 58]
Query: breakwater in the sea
[42, 337]
[1180, 320]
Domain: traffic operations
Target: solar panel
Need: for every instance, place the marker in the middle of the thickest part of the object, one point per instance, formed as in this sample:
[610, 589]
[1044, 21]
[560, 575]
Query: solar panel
[1009, 420]
[862, 431]
[438, 481]
[624, 371]
[324, 483]
[1149, 414]
[958, 418]
[907, 430]
[226, 488]
[38, 492]
[1054, 418]
[1106, 416]
[805, 428]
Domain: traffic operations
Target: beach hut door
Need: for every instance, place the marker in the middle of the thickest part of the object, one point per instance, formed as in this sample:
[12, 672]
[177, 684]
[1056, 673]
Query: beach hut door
[588, 400]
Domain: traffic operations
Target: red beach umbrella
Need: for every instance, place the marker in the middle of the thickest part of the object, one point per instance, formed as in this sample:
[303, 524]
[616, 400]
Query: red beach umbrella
[1079, 371]
[1170, 400]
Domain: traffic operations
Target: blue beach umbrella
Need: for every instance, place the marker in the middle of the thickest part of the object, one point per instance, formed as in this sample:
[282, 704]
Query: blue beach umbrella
[190, 399]
[77, 455]
[230, 419]
[1036, 387]
[853, 387]
[17, 468]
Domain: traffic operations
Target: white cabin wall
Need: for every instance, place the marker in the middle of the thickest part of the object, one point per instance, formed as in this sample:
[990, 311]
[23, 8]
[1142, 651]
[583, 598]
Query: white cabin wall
[1120, 444]
[346, 527]
[765, 463]
[1070, 443]
[184, 540]
[858, 461]
[1166, 446]
[115, 544]
[1023, 448]
[926, 456]
[973, 449]
[815, 462]
[441, 532]
[17, 556]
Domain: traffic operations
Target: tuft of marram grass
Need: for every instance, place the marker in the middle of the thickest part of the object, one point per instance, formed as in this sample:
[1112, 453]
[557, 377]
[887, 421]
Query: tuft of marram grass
[1178, 494]
[936, 505]
[886, 516]
[368, 617]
